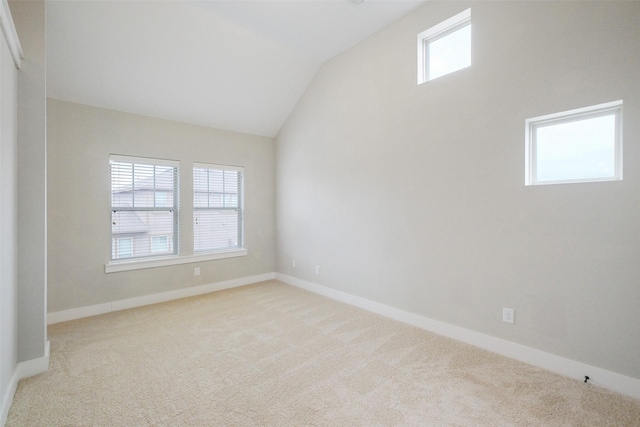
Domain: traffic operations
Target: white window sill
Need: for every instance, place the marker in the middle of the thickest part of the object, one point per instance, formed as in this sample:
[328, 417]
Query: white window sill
[116, 266]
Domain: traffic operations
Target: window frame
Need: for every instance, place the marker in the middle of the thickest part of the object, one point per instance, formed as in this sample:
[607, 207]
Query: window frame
[175, 208]
[579, 114]
[128, 264]
[443, 29]
[240, 206]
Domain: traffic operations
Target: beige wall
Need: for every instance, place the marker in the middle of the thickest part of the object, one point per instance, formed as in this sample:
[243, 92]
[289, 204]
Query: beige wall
[414, 196]
[80, 139]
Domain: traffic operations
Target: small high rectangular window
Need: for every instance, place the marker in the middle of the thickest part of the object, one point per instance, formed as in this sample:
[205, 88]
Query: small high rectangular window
[445, 48]
[218, 208]
[582, 145]
[144, 207]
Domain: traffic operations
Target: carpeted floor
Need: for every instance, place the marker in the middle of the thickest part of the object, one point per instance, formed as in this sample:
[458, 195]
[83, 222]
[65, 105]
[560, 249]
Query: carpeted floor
[273, 355]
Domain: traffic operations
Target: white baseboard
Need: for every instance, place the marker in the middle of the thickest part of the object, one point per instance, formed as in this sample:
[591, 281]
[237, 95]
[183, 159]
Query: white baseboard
[94, 310]
[33, 367]
[560, 365]
[24, 369]
[8, 399]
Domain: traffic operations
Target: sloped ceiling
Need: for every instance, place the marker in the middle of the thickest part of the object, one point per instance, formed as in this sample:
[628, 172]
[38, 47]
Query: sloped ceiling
[236, 65]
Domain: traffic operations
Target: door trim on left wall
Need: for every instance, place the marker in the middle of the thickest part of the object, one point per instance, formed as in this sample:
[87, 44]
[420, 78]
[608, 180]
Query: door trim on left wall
[26, 369]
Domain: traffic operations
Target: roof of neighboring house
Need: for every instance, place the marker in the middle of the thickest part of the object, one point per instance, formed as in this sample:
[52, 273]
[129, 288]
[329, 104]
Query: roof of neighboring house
[163, 182]
[128, 222]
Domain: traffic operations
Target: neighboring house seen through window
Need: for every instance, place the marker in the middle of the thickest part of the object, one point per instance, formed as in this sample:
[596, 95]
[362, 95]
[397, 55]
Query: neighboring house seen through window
[122, 248]
[144, 207]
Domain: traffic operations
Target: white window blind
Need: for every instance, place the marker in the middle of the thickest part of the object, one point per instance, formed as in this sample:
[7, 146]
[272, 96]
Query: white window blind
[218, 208]
[144, 207]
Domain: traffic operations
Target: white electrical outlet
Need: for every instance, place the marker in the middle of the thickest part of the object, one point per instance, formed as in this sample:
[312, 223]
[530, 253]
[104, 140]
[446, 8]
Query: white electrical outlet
[293, 263]
[196, 271]
[508, 315]
[317, 269]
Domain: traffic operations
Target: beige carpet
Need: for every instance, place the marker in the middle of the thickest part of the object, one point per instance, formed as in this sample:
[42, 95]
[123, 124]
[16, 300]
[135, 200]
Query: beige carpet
[273, 355]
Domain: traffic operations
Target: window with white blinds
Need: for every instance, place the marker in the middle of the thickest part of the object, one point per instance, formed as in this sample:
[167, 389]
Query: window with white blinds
[218, 208]
[144, 207]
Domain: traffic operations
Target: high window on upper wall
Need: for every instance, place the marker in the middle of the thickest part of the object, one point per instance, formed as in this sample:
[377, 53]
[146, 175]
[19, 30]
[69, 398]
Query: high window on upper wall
[581, 145]
[445, 48]
[218, 208]
[144, 208]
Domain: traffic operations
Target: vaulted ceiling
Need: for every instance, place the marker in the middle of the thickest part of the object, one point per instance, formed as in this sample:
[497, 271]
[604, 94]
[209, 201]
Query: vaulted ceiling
[236, 65]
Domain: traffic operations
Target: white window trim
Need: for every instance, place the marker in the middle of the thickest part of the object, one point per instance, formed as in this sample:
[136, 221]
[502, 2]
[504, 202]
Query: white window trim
[144, 160]
[452, 24]
[127, 264]
[570, 116]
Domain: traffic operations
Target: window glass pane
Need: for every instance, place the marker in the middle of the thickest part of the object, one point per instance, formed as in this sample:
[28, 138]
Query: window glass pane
[216, 230]
[122, 199]
[125, 248]
[450, 53]
[121, 184]
[142, 225]
[217, 222]
[128, 222]
[216, 181]
[142, 185]
[164, 178]
[200, 199]
[230, 181]
[582, 149]
[162, 199]
[159, 244]
[200, 180]
[231, 189]
[215, 200]
[231, 200]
